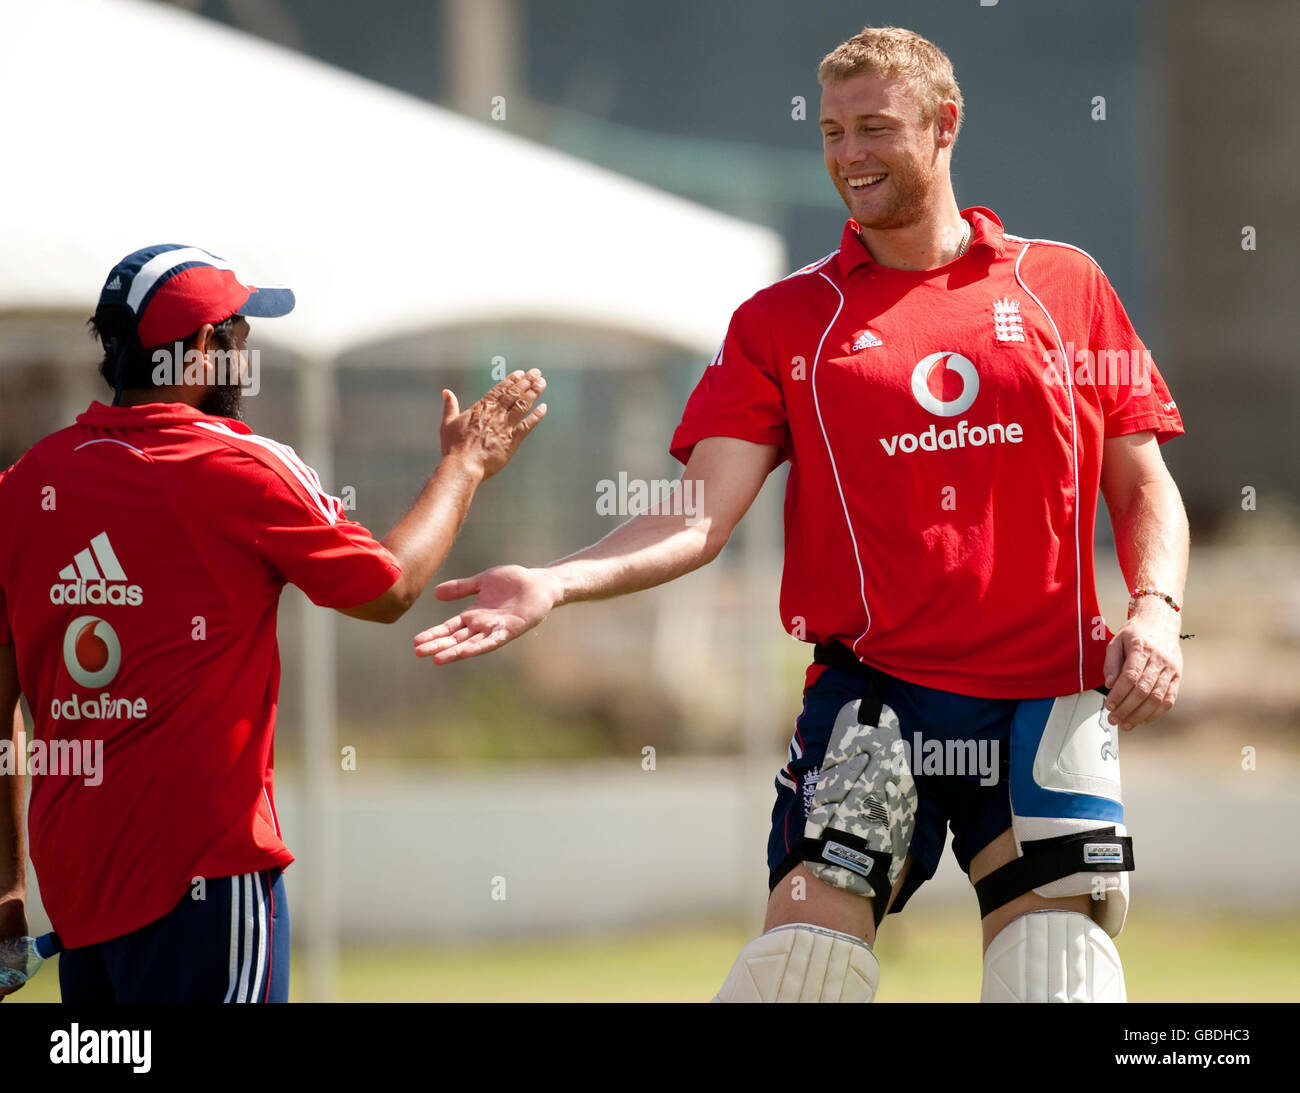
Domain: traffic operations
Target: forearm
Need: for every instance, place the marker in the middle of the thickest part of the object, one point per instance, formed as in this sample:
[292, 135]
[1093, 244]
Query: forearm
[1151, 537]
[1143, 664]
[721, 480]
[647, 550]
[422, 539]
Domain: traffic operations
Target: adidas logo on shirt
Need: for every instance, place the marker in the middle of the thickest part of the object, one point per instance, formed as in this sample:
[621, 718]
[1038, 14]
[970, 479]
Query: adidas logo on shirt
[96, 576]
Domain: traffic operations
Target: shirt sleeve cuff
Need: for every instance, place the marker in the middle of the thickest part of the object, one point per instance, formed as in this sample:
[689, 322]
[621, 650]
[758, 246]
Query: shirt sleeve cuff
[1165, 428]
[684, 441]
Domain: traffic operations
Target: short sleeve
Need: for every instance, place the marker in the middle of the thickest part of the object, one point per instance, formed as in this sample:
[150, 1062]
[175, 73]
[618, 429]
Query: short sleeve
[1133, 394]
[740, 393]
[302, 533]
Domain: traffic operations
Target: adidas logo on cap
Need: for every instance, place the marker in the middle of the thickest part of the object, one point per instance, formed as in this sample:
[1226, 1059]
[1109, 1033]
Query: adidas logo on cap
[84, 581]
[115, 284]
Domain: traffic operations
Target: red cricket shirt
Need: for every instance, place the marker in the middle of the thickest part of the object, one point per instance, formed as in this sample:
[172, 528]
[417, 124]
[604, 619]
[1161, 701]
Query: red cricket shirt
[944, 429]
[142, 554]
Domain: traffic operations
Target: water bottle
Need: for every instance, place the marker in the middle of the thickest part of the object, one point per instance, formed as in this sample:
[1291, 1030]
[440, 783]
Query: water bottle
[21, 957]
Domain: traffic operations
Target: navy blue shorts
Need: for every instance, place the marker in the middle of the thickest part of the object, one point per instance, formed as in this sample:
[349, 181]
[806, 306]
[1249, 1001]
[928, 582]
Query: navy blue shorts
[230, 946]
[975, 802]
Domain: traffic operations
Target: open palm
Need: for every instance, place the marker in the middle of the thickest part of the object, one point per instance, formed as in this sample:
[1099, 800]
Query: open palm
[511, 600]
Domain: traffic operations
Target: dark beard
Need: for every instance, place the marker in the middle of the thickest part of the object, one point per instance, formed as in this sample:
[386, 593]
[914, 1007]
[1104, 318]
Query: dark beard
[226, 400]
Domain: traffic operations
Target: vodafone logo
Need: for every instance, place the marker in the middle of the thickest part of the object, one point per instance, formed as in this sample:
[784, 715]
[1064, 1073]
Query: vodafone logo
[946, 384]
[931, 373]
[91, 651]
[93, 656]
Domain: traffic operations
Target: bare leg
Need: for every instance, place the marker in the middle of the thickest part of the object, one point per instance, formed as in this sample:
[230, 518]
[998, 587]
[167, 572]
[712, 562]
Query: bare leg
[1000, 851]
[801, 897]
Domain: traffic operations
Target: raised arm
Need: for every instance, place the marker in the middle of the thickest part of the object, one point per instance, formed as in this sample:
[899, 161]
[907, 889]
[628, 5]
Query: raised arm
[724, 476]
[475, 445]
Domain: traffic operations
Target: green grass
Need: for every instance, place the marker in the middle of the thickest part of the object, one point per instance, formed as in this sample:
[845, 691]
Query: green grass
[924, 958]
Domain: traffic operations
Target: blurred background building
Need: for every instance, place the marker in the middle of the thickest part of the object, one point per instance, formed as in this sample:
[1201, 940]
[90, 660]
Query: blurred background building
[1153, 136]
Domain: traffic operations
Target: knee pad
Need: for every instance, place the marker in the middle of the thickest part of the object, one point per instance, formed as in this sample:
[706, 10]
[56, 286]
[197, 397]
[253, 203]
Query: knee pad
[1067, 813]
[1052, 956]
[802, 963]
[863, 811]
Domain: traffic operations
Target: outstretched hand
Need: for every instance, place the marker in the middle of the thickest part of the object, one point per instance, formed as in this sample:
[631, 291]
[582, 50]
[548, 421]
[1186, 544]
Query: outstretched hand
[511, 600]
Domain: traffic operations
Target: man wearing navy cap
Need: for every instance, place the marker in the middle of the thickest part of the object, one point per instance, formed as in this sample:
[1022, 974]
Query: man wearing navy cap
[142, 556]
[166, 297]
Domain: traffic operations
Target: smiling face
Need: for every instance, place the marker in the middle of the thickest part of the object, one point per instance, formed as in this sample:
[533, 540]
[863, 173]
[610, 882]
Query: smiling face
[882, 153]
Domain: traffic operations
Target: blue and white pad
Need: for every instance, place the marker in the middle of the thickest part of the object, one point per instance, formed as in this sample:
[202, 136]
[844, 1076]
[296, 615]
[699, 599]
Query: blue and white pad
[1066, 802]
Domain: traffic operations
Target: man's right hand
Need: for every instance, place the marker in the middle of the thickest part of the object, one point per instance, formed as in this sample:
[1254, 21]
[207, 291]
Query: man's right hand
[511, 601]
[487, 434]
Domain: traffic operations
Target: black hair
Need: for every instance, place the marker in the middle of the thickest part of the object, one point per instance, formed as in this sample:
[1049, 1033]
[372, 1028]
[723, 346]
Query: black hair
[128, 365]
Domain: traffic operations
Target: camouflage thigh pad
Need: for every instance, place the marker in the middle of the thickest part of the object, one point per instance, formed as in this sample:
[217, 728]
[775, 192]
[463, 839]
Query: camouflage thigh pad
[864, 807]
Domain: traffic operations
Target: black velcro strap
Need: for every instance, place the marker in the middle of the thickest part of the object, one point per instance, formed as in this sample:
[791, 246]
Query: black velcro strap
[842, 659]
[816, 850]
[1043, 861]
[837, 655]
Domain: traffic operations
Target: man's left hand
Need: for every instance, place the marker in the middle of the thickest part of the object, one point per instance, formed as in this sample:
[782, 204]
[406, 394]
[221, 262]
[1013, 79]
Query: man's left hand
[1144, 665]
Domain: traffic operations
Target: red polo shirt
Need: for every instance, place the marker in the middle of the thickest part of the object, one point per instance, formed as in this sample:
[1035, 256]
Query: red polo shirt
[945, 431]
[142, 554]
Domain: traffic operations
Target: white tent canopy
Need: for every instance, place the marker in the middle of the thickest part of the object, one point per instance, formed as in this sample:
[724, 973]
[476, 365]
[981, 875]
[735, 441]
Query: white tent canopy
[130, 123]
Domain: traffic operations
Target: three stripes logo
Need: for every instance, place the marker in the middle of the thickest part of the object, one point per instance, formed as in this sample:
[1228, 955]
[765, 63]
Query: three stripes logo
[95, 576]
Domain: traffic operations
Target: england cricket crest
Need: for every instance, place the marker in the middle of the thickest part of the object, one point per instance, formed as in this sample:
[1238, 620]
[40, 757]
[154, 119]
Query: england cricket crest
[1007, 324]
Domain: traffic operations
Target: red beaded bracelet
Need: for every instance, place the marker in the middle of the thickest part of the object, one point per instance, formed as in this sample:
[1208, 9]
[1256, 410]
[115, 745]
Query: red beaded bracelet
[1138, 593]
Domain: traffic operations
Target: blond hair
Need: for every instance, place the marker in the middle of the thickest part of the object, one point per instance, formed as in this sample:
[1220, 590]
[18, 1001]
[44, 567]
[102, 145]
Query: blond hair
[896, 53]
